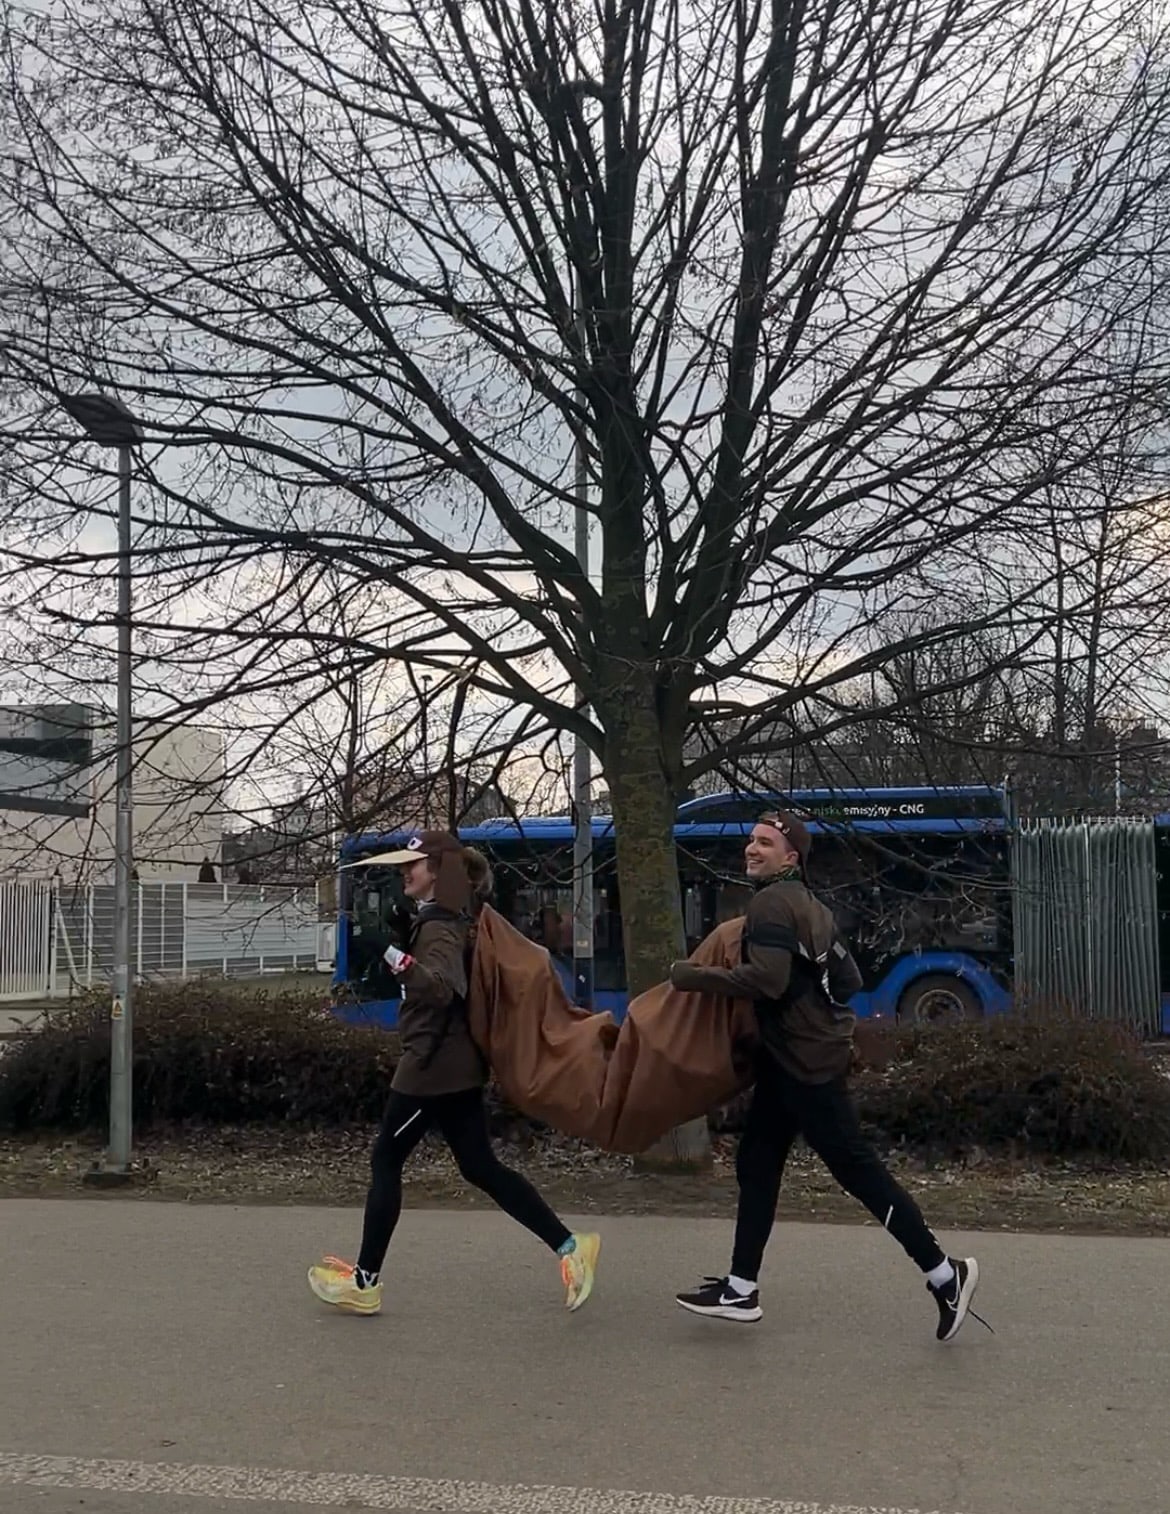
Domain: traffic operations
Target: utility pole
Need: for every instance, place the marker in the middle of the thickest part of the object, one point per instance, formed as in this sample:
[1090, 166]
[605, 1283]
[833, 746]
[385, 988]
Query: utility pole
[425, 719]
[582, 756]
[122, 1062]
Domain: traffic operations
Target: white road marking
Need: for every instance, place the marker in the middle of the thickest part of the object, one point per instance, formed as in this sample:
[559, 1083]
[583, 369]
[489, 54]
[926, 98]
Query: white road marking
[361, 1491]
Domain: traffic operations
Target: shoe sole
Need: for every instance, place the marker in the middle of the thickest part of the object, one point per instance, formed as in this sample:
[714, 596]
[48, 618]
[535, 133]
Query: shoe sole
[590, 1278]
[966, 1295]
[337, 1304]
[743, 1316]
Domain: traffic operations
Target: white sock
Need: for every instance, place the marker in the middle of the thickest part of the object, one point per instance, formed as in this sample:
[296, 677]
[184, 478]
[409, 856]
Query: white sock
[940, 1276]
[741, 1286]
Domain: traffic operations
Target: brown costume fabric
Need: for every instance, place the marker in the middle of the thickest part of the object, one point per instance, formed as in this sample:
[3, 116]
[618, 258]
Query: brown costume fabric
[675, 1056]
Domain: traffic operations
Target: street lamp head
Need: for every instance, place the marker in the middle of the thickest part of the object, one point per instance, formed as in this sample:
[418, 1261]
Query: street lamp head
[104, 419]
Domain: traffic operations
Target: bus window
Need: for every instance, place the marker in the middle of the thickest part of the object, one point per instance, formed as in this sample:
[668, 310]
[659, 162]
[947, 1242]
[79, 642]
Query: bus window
[911, 895]
[732, 901]
[693, 916]
[374, 900]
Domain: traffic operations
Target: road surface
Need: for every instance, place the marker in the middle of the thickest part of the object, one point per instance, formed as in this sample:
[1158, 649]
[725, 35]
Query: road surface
[164, 1359]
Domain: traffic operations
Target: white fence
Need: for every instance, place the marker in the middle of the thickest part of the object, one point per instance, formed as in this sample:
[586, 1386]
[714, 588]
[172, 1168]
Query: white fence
[26, 927]
[55, 939]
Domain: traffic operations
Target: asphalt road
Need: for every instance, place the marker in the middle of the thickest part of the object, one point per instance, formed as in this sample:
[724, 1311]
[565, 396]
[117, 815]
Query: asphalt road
[162, 1359]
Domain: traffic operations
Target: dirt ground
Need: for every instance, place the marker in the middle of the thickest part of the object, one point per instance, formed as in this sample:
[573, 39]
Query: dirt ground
[248, 1166]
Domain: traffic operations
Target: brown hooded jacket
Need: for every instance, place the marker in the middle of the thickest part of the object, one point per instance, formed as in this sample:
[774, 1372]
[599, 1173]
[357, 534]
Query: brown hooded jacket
[439, 1055]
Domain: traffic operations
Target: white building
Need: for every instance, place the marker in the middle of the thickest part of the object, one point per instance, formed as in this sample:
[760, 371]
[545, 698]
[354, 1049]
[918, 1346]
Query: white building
[57, 783]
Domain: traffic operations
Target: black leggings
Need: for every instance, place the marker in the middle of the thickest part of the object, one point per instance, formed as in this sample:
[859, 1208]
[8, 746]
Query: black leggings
[783, 1108]
[462, 1118]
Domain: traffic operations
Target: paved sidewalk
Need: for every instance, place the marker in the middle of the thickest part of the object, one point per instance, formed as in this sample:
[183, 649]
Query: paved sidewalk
[172, 1361]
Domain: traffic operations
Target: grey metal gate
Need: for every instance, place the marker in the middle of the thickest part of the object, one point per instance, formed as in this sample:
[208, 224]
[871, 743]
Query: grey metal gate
[1085, 919]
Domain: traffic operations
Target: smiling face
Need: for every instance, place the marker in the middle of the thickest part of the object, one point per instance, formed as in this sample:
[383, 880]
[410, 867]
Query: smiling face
[418, 882]
[768, 852]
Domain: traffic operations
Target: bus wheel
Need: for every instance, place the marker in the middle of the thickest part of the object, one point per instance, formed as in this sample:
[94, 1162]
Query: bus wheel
[938, 996]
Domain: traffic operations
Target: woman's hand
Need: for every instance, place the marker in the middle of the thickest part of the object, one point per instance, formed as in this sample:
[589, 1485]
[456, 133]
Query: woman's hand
[397, 961]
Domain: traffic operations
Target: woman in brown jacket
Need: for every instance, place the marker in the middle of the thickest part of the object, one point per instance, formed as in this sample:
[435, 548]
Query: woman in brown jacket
[439, 1081]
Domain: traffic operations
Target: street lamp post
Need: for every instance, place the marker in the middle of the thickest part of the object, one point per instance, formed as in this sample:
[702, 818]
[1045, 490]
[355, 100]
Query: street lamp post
[107, 421]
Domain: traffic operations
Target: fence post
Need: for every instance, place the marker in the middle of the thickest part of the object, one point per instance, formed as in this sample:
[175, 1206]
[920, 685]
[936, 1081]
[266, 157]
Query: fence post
[54, 927]
[89, 935]
[138, 939]
[183, 934]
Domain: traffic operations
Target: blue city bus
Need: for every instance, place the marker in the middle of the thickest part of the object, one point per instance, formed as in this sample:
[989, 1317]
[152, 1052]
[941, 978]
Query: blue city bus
[917, 877]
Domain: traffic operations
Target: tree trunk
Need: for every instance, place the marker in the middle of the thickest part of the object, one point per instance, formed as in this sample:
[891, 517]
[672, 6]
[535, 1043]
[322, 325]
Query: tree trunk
[643, 798]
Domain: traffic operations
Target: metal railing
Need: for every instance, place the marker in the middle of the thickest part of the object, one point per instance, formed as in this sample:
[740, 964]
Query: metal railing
[56, 939]
[1085, 919]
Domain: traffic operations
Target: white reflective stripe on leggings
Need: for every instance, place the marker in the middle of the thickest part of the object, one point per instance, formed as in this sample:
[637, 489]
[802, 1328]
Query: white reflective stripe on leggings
[409, 1122]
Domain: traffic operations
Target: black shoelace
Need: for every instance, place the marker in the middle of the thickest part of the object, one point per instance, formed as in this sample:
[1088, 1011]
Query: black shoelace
[972, 1312]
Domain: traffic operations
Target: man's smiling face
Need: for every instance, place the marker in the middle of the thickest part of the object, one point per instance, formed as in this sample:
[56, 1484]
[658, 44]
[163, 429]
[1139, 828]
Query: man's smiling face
[768, 851]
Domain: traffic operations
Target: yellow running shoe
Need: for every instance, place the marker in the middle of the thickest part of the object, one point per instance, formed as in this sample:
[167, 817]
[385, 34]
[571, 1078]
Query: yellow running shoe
[333, 1282]
[578, 1268]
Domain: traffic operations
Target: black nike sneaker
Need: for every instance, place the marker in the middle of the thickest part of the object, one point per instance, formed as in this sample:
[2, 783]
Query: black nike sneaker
[954, 1298]
[718, 1300]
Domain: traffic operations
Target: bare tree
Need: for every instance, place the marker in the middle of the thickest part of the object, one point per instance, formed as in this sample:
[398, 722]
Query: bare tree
[803, 281]
[366, 745]
[1074, 713]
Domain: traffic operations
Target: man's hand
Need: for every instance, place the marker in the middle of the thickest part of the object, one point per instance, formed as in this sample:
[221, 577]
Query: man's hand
[683, 975]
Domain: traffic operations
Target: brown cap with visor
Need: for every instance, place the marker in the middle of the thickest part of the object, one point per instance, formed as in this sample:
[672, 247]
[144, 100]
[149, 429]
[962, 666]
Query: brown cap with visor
[452, 880]
[421, 844]
[794, 831]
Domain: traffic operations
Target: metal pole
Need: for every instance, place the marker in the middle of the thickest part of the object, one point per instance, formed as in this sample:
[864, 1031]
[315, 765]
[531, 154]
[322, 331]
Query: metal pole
[426, 751]
[582, 757]
[107, 420]
[121, 1018]
[54, 933]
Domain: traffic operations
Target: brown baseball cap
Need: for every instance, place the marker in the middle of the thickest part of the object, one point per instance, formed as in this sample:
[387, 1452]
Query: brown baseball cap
[792, 828]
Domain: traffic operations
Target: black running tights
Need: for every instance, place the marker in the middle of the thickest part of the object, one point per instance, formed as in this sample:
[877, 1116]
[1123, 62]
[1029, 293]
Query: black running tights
[783, 1108]
[462, 1120]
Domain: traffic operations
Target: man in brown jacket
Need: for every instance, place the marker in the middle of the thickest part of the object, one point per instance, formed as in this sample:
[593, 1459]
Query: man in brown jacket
[797, 970]
[439, 1081]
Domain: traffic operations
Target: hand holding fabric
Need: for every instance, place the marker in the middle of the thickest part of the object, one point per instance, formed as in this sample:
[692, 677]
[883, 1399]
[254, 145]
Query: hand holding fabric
[685, 975]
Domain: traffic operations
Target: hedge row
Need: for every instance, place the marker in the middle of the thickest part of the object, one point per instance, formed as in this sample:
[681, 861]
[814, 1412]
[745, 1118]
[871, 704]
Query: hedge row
[201, 1052]
[1062, 1086]
[204, 1053]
